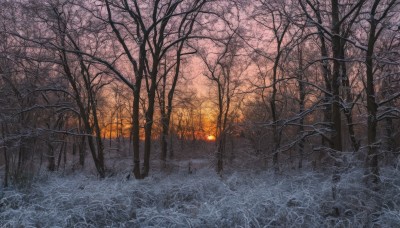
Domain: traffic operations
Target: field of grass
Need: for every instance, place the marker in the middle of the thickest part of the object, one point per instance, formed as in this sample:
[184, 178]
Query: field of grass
[203, 199]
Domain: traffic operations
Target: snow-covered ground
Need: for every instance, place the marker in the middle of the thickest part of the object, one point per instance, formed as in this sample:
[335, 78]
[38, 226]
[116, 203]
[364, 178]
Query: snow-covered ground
[203, 199]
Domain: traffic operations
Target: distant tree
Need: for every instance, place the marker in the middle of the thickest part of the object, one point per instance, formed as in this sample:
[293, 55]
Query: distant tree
[273, 17]
[22, 112]
[84, 78]
[225, 71]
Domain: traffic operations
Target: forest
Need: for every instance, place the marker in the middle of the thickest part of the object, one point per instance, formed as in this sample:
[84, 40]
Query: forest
[199, 113]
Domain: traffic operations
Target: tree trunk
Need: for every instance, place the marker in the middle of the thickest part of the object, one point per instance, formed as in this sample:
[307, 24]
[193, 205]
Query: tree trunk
[164, 119]
[164, 138]
[170, 145]
[6, 160]
[336, 116]
[390, 140]
[99, 142]
[279, 35]
[348, 110]
[60, 155]
[51, 157]
[275, 158]
[220, 152]
[327, 77]
[372, 108]
[149, 118]
[220, 131]
[274, 114]
[135, 135]
[97, 153]
[82, 151]
[302, 96]
[148, 131]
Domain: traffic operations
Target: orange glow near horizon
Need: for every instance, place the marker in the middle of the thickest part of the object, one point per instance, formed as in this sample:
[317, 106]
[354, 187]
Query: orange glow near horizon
[211, 138]
[198, 122]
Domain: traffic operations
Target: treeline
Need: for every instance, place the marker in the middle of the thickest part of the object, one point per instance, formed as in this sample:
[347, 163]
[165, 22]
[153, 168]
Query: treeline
[303, 81]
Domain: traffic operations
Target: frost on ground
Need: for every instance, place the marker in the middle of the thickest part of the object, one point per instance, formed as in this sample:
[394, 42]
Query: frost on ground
[203, 199]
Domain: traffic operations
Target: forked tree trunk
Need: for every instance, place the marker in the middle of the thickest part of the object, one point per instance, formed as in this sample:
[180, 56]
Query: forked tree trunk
[166, 107]
[149, 121]
[84, 111]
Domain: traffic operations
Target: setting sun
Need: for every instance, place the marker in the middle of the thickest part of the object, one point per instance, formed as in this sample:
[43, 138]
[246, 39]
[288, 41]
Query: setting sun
[211, 138]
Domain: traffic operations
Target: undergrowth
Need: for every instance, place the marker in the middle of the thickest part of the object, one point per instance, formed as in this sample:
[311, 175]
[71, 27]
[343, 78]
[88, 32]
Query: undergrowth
[203, 199]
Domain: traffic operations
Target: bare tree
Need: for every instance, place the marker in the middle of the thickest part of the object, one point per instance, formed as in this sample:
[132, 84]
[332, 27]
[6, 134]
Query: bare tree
[83, 77]
[276, 20]
[171, 69]
[224, 70]
[377, 13]
[150, 39]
